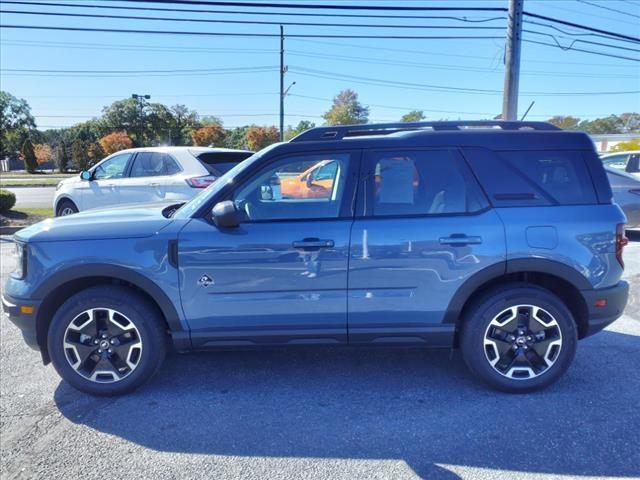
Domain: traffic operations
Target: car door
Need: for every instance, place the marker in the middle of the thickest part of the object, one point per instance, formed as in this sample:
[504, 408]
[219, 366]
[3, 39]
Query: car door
[422, 228]
[103, 188]
[149, 178]
[281, 276]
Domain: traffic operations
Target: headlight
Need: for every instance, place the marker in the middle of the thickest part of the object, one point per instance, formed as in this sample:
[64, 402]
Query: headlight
[21, 260]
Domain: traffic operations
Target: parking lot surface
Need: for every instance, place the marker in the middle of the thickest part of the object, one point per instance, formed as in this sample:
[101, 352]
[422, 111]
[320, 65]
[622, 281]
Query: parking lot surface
[33, 197]
[328, 413]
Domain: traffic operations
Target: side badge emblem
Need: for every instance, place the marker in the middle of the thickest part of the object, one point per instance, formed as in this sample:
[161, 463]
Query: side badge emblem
[205, 280]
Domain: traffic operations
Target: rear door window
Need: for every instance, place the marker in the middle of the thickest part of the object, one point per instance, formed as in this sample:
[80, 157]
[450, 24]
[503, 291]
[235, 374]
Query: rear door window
[560, 177]
[153, 164]
[419, 182]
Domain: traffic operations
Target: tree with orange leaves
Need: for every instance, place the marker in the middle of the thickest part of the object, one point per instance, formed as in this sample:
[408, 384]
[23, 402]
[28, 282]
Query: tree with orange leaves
[115, 142]
[260, 137]
[209, 135]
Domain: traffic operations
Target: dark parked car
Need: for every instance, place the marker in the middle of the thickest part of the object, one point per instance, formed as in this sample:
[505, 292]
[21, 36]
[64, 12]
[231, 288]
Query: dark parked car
[500, 238]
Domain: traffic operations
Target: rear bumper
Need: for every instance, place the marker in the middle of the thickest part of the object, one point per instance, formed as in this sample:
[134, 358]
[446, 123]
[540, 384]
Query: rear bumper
[616, 300]
[26, 322]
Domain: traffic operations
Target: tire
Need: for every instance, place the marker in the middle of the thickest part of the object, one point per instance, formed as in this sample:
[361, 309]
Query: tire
[66, 207]
[498, 349]
[107, 340]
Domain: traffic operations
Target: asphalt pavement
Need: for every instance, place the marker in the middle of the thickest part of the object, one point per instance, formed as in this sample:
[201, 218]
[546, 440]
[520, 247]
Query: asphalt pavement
[318, 413]
[33, 197]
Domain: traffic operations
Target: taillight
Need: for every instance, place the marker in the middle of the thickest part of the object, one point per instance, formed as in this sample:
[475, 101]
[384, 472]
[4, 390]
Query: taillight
[635, 190]
[621, 242]
[201, 182]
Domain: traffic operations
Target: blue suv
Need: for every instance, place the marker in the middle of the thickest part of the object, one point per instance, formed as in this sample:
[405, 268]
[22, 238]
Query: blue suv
[498, 238]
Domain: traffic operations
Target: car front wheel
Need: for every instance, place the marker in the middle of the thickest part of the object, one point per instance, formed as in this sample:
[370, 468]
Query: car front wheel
[106, 340]
[66, 207]
[518, 338]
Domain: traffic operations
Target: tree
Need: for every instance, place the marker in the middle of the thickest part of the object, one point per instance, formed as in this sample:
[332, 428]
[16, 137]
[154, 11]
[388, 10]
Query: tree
[564, 122]
[15, 123]
[626, 146]
[237, 138]
[114, 142]
[610, 124]
[302, 126]
[413, 116]
[29, 156]
[346, 110]
[261, 137]
[129, 115]
[184, 121]
[79, 157]
[95, 153]
[210, 135]
[62, 158]
[43, 153]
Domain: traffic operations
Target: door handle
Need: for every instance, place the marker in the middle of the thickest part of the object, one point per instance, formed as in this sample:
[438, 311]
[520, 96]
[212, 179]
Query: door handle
[154, 184]
[312, 244]
[460, 240]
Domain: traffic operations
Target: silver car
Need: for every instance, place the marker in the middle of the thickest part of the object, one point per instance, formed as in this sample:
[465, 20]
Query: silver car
[623, 161]
[626, 193]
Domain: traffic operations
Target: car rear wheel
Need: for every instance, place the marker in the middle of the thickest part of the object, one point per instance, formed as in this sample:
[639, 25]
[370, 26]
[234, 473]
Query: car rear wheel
[518, 338]
[66, 207]
[106, 340]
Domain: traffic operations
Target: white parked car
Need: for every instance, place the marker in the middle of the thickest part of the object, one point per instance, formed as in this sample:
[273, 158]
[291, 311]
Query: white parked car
[626, 161]
[145, 175]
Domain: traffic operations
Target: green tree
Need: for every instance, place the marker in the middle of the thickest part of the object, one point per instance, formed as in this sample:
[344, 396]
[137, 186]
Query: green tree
[237, 138]
[610, 124]
[62, 157]
[79, 157]
[29, 156]
[302, 126]
[15, 123]
[183, 123]
[627, 146]
[413, 116]
[565, 122]
[346, 110]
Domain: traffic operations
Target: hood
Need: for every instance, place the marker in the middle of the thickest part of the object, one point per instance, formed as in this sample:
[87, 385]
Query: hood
[121, 222]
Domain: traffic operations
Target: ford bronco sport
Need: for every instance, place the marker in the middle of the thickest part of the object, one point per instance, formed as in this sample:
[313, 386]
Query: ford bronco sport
[498, 238]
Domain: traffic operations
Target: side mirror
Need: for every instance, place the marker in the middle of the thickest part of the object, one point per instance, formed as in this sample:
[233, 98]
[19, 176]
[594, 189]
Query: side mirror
[225, 214]
[85, 175]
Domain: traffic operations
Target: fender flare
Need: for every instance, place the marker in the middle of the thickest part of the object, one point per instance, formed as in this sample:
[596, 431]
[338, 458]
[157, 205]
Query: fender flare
[517, 265]
[147, 285]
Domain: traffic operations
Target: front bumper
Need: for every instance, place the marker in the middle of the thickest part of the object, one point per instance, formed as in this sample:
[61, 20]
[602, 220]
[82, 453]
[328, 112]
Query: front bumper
[26, 322]
[601, 316]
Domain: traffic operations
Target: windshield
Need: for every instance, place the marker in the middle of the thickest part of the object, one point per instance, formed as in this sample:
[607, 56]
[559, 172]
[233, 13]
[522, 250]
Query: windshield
[192, 205]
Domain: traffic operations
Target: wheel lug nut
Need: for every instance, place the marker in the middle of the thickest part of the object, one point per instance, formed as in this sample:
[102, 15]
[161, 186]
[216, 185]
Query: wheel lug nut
[110, 350]
[104, 335]
[113, 341]
[95, 342]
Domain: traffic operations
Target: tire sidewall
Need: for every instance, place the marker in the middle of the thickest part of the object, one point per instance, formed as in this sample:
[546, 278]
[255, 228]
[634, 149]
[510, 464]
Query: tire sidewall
[136, 310]
[63, 204]
[475, 326]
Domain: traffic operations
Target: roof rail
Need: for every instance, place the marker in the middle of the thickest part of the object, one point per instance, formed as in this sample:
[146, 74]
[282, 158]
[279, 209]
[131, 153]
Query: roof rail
[344, 131]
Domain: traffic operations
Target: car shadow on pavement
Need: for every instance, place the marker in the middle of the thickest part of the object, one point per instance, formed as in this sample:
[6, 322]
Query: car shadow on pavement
[414, 405]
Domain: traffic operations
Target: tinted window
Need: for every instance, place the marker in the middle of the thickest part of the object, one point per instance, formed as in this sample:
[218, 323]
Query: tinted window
[289, 189]
[219, 163]
[112, 168]
[419, 183]
[560, 177]
[153, 164]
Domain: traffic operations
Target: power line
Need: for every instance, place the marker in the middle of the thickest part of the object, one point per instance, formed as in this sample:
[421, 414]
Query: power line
[246, 12]
[249, 22]
[431, 66]
[322, 6]
[228, 34]
[438, 88]
[608, 8]
[430, 53]
[603, 54]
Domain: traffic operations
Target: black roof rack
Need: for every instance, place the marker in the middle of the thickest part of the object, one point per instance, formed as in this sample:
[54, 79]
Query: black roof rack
[344, 131]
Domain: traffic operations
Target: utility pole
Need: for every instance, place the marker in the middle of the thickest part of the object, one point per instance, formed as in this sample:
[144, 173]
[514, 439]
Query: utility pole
[282, 72]
[140, 99]
[512, 61]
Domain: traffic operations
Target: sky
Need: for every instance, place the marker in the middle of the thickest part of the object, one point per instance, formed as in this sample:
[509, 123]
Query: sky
[391, 76]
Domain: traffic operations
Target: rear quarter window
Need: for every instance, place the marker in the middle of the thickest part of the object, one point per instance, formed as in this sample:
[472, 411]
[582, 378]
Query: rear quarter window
[219, 163]
[561, 177]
